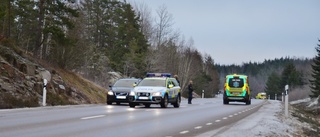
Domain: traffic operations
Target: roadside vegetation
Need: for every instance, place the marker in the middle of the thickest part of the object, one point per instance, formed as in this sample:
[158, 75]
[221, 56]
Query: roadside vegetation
[310, 115]
[91, 38]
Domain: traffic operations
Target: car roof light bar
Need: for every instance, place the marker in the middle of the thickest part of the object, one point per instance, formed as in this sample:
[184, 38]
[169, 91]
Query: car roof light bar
[158, 75]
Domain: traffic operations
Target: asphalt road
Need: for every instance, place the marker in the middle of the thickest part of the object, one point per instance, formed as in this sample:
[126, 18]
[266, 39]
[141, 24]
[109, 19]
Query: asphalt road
[119, 120]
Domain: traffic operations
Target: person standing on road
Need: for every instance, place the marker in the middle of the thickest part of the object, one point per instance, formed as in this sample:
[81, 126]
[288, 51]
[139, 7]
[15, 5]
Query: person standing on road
[190, 90]
[176, 77]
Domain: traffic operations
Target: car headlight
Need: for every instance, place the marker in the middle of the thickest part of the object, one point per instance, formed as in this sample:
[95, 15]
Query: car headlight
[110, 93]
[132, 93]
[156, 94]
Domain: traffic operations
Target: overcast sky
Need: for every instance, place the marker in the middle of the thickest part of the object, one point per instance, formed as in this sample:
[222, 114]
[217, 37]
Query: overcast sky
[238, 31]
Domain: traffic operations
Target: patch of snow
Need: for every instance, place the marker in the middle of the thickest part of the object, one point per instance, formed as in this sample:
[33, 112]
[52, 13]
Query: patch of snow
[62, 87]
[314, 102]
[300, 101]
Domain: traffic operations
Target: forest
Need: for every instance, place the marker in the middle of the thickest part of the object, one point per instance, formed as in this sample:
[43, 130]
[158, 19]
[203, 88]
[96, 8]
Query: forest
[94, 37]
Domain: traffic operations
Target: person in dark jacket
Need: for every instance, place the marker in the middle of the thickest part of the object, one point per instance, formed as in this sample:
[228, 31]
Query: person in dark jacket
[176, 77]
[190, 90]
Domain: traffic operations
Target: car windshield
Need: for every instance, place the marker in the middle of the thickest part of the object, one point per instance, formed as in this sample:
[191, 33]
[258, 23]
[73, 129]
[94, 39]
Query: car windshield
[236, 82]
[153, 82]
[125, 83]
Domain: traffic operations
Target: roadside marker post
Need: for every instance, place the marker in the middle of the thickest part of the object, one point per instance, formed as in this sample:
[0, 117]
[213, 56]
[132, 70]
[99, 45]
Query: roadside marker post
[286, 101]
[202, 93]
[44, 97]
[275, 97]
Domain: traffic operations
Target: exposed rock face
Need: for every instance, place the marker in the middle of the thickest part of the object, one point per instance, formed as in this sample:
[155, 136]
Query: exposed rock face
[21, 84]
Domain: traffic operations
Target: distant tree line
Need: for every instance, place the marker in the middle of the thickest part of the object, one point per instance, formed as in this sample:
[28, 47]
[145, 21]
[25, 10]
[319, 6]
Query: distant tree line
[271, 76]
[94, 37]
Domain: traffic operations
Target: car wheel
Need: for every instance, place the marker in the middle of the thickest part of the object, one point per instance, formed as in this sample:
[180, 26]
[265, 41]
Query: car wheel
[109, 102]
[248, 102]
[147, 105]
[225, 101]
[132, 105]
[164, 102]
[177, 103]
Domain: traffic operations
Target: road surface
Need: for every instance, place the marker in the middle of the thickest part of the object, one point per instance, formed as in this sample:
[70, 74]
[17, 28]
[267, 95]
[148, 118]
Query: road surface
[120, 120]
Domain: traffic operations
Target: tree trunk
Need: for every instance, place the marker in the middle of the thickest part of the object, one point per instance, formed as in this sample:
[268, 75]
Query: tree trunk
[37, 50]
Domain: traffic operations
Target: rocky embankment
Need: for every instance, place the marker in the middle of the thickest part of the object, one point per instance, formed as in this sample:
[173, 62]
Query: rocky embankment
[21, 84]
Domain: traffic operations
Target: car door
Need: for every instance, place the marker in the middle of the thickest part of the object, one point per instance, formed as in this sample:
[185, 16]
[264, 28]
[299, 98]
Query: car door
[170, 89]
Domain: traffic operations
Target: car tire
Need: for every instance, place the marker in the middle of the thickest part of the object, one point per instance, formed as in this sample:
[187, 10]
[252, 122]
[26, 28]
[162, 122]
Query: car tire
[225, 101]
[177, 103]
[164, 102]
[132, 105]
[147, 105]
[248, 102]
[109, 102]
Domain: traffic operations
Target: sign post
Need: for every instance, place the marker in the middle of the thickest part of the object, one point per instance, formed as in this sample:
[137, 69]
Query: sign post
[286, 101]
[44, 97]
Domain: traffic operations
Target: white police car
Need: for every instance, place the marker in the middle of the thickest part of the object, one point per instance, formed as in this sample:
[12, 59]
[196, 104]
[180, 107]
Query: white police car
[156, 88]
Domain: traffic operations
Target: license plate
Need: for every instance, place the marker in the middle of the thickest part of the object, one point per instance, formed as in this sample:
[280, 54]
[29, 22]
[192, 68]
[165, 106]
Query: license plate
[236, 93]
[143, 97]
[121, 97]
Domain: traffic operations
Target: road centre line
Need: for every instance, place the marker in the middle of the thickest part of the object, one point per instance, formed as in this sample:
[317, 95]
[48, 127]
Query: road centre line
[91, 117]
[224, 118]
[184, 132]
[209, 124]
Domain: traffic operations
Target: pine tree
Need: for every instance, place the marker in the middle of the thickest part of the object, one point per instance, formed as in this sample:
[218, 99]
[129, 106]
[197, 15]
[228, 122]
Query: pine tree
[315, 82]
[290, 76]
[273, 85]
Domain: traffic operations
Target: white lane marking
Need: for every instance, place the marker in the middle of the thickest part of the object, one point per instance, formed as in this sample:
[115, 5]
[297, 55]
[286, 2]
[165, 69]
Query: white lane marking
[235, 114]
[209, 124]
[230, 115]
[198, 127]
[225, 118]
[217, 120]
[91, 117]
[184, 132]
